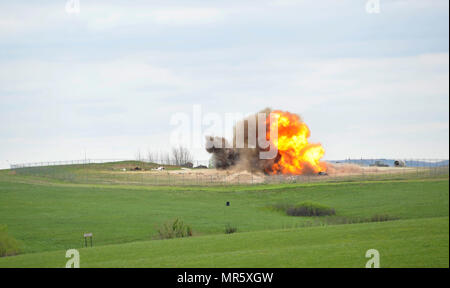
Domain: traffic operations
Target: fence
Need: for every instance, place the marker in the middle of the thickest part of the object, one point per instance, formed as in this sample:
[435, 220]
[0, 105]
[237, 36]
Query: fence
[93, 161]
[64, 163]
[128, 172]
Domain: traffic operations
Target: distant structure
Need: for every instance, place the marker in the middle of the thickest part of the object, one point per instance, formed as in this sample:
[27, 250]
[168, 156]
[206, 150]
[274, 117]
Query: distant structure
[379, 163]
[188, 165]
[399, 163]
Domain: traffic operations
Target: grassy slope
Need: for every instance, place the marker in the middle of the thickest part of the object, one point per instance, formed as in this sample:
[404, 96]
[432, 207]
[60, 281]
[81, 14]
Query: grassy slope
[49, 216]
[111, 173]
[96, 173]
[404, 243]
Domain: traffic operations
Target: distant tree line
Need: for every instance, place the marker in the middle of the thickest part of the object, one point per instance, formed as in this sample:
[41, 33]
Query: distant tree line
[179, 156]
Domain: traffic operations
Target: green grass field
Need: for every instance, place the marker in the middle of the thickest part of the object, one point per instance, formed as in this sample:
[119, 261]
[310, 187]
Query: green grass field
[404, 243]
[49, 216]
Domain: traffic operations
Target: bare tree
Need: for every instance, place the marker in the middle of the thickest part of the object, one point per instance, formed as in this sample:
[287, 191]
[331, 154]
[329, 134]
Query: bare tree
[176, 156]
[166, 158]
[181, 156]
[138, 155]
[186, 156]
[152, 157]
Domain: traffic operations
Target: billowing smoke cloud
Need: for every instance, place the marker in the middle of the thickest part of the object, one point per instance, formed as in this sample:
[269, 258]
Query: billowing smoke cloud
[289, 151]
[227, 155]
[223, 158]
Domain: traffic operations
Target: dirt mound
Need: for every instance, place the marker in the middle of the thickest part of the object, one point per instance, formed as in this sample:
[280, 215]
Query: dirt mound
[244, 177]
[339, 169]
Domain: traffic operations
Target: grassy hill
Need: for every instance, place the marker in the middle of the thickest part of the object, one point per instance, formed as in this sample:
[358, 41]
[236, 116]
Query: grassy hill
[405, 243]
[49, 216]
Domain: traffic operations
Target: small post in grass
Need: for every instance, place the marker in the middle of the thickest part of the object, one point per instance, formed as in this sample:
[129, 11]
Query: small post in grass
[225, 215]
[86, 236]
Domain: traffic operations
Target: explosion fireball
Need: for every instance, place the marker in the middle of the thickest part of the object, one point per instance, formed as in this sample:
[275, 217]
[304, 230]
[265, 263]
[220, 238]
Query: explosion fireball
[295, 154]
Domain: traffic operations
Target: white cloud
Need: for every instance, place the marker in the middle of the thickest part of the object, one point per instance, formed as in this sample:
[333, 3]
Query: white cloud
[186, 16]
[109, 17]
[18, 19]
[79, 79]
[128, 98]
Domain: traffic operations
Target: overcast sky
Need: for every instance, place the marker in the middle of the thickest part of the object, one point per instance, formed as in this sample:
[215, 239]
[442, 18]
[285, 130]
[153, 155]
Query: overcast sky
[109, 78]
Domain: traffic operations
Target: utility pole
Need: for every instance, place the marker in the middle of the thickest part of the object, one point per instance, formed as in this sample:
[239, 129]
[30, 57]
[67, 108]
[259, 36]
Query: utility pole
[85, 166]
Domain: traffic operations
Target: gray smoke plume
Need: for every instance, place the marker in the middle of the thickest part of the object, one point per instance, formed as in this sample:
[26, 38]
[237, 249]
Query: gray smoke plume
[226, 155]
[223, 158]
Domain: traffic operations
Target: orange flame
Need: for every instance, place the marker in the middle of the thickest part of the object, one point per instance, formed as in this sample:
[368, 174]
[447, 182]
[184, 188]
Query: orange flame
[295, 154]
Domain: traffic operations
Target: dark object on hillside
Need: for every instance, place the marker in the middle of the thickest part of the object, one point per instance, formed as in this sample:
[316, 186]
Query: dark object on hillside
[188, 165]
[228, 203]
[309, 209]
[322, 173]
[382, 218]
[201, 167]
[136, 169]
[230, 229]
